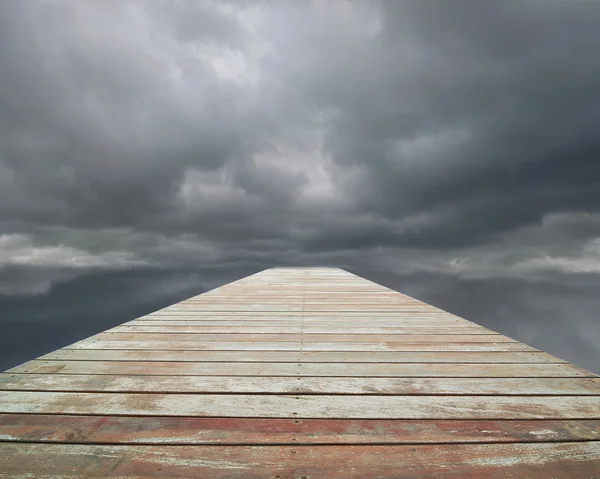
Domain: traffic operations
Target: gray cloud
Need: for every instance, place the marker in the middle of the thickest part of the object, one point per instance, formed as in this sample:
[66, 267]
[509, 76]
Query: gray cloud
[446, 147]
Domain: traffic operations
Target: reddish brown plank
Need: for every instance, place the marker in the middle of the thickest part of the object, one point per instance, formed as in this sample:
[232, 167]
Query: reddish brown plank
[535, 461]
[186, 430]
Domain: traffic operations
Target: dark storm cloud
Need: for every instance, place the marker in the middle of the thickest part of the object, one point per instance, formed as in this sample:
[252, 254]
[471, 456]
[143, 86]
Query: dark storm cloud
[451, 141]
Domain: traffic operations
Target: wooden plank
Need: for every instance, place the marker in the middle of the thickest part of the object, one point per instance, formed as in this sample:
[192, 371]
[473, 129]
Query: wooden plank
[339, 303]
[300, 356]
[302, 406]
[348, 338]
[410, 319]
[176, 368]
[285, 308]
[296, 310]
[189, 430]
[300, 346]
[301, 385]
[308, 331]
[565, 460]
[362, 326]
[305, 316]
[294, 323]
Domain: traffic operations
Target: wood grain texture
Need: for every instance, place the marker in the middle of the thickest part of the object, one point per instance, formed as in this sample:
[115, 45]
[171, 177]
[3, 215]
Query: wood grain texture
[319, 331]
[304, 356]
[354, 324]
[193, 430]
[300, 385]
[304, 337]
[303, 406]
[384, 345]
[175, 368]
[536, 461]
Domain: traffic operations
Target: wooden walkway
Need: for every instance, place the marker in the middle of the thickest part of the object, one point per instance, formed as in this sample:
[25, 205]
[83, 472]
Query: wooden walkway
[299, 373]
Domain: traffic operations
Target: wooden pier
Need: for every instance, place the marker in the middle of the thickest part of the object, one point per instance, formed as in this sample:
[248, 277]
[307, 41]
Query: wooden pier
[299, 373]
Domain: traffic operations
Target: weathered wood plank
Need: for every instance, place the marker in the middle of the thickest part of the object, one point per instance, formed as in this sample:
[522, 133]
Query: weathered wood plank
[314, 320]
[409, 318]
[301, 385]
[284, 308]
[308, 331]
[188, 430]
[342, 338]
[464, 461]
[294, 323]
[301, 356]
[302, 406]
[177, 368]
[290, 307]
[300, 346]
[344, 303]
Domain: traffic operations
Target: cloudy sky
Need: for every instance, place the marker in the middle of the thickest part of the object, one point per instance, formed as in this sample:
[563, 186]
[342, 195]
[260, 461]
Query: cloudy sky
[150, 150]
